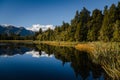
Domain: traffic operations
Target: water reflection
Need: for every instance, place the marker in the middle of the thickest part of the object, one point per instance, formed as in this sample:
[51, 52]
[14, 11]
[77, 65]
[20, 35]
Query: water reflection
[38, 54]
[10, 49]
[83, 67]
[80, 62]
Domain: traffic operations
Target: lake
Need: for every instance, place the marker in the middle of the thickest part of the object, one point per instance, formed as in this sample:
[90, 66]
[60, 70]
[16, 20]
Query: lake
[44, 62]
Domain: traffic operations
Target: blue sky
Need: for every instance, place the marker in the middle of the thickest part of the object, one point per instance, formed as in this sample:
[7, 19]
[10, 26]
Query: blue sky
[28, 12]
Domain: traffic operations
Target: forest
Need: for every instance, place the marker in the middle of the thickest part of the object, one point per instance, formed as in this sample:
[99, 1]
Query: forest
[87, 26]
[15, 37]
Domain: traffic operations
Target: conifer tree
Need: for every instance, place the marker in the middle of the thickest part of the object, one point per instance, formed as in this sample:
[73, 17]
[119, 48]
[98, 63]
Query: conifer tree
[94, 25]
[104, 29]
[116, 33]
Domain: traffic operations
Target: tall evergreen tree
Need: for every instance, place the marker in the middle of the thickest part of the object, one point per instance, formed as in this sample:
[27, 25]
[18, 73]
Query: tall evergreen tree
[118, 11]
[104, 29]
[106, 32]
[77, 33]
[94, 25]
[82, 28]
[40, 31]
[72, 28]
[116, 33]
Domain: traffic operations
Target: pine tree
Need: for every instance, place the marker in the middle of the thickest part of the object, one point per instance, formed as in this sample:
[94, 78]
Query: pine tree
[106, 32]
[116, 33]
[40, 31]
[72, 29]
[77, 33]
[94, 25]
[82, 27]
[118, 11]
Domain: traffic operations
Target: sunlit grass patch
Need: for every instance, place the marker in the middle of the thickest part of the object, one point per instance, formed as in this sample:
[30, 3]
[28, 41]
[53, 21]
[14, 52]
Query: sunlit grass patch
[57, 43]
[105, 54]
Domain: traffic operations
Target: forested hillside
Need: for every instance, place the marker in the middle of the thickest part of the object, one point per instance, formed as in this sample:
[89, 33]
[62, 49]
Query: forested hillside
[10, 32]
[85, 26]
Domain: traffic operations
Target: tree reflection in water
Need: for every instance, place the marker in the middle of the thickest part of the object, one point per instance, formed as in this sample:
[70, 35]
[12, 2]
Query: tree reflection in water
[80, 61]
[84, 65]
[10, 49]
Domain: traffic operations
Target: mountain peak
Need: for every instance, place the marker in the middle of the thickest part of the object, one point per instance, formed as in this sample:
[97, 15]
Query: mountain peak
[21, 27]
[8, 29]
[36, 27]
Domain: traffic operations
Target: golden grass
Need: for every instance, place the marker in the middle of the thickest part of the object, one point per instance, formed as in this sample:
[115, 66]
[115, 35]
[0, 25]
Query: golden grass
[105, 54]
[57, 43]
[85, 47]
[98, 48]
[111, 67]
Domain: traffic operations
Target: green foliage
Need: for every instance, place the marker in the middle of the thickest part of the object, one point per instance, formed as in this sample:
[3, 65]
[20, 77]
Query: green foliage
[84, 18]
[116, 33]
[94, 25]
[83, 27]
[78, 35]
[15, 37]
[106, 33]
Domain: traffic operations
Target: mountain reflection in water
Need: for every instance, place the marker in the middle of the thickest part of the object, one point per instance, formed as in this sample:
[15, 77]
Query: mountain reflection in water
[47, 63]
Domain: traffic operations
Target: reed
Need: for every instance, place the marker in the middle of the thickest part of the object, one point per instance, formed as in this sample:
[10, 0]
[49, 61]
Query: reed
[57, 43]
[87, 47]
[108, 56]
[105, 54]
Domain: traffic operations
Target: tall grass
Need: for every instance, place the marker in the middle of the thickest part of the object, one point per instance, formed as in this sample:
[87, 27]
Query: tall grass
[87, 47]
[105, 54]
[57, 43]
[108, 56]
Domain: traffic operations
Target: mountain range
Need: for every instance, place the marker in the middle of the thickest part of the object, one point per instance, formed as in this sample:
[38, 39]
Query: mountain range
[10, 29]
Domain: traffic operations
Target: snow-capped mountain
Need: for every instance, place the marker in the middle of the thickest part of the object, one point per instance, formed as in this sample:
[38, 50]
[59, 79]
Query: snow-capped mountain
[36, 27]
[10, 29]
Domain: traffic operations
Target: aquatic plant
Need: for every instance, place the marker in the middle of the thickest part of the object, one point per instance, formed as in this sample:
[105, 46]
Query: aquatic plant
[105, 54]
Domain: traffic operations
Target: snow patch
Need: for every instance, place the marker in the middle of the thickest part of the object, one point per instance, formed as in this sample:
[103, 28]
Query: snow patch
[36, 27]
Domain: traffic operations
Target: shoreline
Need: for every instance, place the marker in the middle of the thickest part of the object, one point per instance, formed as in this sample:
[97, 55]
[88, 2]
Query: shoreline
[58, 43]
[52, 43]
[84, 46]
[16, 41]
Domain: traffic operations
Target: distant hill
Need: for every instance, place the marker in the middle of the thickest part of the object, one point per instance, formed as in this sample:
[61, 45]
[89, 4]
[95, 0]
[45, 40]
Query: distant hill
[10, 29]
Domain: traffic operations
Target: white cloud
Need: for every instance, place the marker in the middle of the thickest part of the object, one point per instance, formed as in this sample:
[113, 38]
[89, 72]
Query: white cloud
[37, 55]
[36, 27]
[33, 53]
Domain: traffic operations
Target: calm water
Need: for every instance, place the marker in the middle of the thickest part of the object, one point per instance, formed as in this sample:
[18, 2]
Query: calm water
[43, 62]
